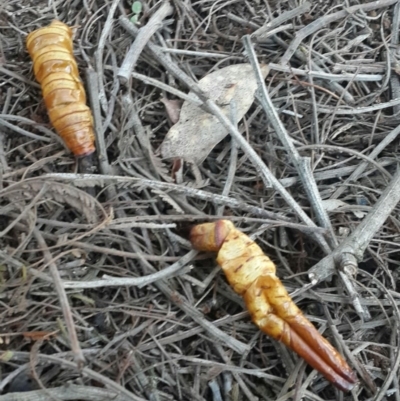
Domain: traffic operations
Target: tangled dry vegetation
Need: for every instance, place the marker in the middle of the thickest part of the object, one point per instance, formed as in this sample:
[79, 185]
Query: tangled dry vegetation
[101, 296]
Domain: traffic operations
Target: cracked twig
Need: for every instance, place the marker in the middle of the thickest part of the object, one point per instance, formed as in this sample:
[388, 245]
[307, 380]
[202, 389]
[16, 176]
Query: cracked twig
[144, 35]
[358, 241]
[301, 164]
[328, 19]
[62, 296]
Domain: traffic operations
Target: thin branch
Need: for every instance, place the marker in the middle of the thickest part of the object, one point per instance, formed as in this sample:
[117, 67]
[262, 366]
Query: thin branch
[358, 241]
[328, 19]
[68, 392]
[144, 35]
[109, 281]
[62, 296]
[86, 179]
[325, 75]
[258, 35]
[301, 164]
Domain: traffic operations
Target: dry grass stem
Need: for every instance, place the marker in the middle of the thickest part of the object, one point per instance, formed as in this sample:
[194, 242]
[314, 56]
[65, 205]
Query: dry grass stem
[101, 294]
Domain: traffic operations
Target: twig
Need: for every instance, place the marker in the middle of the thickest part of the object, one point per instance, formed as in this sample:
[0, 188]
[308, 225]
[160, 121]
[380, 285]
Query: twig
[215, 390]
[109, 281]
[86, 179]
[363, 165]
[303, 167]
[67, 392]
[358, 241]
[101, 148]
[144, 35]
[21, 131]
[394, 78]
[86, 372]
[62, 296]
[301, 164]
[343, 111]
[236, 375]
[266, 175]
[195, 53]
[347, 266]
[325, 75]
[232, 164]
[393, 373]
[302, 54]
[191, 311]
[10, 377]
[328, 19]
[99, 52]
[258, 35]
[161, 85]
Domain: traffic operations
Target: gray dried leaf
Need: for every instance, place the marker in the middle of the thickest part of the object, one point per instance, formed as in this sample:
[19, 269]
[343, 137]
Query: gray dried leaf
[197, 132]
[173, 108]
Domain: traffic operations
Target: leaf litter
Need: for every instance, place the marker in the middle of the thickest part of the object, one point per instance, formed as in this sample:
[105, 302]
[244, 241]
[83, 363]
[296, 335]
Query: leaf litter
[335, 91]
[197, 132]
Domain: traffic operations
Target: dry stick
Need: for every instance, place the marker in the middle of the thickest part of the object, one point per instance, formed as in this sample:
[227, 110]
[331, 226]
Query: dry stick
[137, 221]
[378, 67]
[190, 311]
[342, 111]
[303, 167]
[100, 49]
[66, 392]
[351, 151]
[395, 89]
[93, 179]
[161, 85]
[11, 376]
[266, 175]
[83, 179]
[393, 374]
[183, 335]
[18, 77]
[24, 120]
[278, 21]
[233, 161]
[21, 131]
[363, 165]
[325, 75]
[148, 385]
[267, 37]
[101, 148]
[86, 372]
[144, 35]
[394, 78]
[327, 19]
[62, 296]
[134, 122]
[159, 55]
[302, 164]
[109, 281]
[104, 165]
[302, 54]
[216, 392]
[358, 241]
[236, 375]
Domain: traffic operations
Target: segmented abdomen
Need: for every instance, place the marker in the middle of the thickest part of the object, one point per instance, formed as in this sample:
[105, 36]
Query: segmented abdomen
[252, 275]
[56, 70]
[241, 259]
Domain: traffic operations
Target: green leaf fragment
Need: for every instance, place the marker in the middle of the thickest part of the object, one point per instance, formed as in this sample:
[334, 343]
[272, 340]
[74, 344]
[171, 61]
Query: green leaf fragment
[137, 7]
[6, 356]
